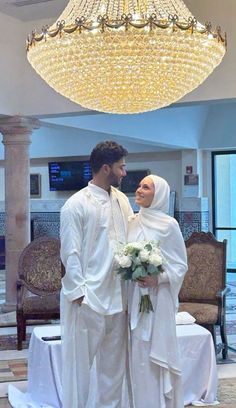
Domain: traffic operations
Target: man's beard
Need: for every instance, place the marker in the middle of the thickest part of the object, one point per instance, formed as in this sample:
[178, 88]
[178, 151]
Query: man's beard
[114, 180]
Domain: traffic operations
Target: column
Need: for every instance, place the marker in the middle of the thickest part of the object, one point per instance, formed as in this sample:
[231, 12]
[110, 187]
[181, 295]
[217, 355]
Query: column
[16, 133]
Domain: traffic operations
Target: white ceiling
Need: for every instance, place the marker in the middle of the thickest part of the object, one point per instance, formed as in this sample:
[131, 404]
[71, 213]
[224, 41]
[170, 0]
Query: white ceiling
[28, 10]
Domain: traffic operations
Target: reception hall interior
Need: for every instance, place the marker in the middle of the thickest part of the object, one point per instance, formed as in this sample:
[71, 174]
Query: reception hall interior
[189, 141]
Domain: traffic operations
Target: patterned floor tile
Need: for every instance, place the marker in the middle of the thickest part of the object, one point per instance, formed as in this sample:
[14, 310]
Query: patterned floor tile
[13, 370]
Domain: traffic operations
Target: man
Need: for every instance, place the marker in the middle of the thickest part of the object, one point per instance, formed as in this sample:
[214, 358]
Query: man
[93, 223]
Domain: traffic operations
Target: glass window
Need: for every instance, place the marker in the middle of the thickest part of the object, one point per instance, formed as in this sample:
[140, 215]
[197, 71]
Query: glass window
[224, 202]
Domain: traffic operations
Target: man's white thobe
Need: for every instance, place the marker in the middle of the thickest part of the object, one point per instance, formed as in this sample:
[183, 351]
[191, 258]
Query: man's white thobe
[93, 222]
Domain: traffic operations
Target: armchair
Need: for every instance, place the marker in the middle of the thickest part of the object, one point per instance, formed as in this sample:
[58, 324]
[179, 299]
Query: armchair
[203, 293]
[39, 283]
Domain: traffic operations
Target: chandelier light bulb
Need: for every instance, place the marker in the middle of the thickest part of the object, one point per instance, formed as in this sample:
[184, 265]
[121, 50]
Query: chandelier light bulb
[125, 56]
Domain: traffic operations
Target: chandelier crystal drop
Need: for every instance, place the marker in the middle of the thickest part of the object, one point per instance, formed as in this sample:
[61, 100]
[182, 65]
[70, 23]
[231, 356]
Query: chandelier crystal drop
[125, 56]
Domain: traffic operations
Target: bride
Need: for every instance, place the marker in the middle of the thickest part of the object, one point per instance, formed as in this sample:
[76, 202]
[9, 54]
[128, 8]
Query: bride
[155, 365]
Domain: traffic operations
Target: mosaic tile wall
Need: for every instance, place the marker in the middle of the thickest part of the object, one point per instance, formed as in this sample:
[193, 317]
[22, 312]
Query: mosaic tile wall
[42, 224]
[190, 222]
[47, 223]
[2, 223]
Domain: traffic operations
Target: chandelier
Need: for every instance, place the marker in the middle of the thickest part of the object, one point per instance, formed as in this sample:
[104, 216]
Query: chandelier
[125, 56]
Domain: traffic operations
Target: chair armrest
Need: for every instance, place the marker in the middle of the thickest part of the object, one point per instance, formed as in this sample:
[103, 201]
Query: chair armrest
[19, 293]
[20, 283]
[222, 293]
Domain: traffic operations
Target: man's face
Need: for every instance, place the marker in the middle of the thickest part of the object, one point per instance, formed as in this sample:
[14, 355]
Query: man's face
[117, 172]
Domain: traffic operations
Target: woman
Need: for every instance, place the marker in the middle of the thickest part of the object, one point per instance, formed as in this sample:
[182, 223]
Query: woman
[155, 365]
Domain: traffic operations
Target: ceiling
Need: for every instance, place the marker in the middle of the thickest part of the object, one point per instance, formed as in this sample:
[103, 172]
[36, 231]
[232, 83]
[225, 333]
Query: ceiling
[28, 10]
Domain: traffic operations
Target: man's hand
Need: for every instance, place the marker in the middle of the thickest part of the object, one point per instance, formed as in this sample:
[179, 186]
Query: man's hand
[80, 300]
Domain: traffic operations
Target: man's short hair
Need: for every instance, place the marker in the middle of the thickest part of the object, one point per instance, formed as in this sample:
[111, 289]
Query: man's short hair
[107, 152]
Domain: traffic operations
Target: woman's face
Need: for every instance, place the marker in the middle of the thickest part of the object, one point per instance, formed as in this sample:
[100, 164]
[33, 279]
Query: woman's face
[145, 192]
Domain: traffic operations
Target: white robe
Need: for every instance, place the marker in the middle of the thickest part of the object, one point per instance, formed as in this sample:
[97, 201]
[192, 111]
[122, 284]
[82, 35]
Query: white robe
[92, 221]
[155, 364]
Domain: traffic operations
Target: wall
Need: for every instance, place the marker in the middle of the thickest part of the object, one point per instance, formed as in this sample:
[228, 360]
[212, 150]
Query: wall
[221, 83]
[165, 164]
[10, 79]
[45, 211]
[18, 78]
[193, 213]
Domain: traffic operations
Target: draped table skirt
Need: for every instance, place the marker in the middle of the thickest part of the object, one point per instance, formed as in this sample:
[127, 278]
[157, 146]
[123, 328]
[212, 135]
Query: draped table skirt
[199, 371]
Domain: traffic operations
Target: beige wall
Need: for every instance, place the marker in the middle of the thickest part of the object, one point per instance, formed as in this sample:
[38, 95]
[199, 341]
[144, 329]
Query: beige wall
[167, 165]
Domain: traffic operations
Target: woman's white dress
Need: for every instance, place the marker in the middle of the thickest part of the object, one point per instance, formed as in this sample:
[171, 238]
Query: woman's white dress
[154, 357]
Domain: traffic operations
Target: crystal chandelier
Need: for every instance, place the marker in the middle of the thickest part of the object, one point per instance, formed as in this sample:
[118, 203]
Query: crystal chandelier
[125, 56]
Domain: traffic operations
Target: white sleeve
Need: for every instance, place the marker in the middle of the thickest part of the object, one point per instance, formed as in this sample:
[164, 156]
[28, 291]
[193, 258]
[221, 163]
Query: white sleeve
[71, 233]
[175, 253]
[162, 278]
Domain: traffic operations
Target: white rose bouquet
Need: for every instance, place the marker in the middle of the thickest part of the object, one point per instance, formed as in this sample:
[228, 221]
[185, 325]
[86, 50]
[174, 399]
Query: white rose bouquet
[137, 260]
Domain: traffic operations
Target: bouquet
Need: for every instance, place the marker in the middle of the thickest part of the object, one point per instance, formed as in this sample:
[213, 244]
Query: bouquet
[139, 259]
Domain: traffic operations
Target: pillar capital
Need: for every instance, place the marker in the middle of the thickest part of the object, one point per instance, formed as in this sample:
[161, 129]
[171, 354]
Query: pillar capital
[17, 129]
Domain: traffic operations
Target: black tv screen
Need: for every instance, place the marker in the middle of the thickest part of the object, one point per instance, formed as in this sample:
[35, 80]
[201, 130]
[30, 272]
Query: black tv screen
[130, 183]
[69, 176]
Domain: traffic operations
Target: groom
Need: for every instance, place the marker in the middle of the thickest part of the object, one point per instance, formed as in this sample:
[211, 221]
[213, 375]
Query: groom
[93, 222]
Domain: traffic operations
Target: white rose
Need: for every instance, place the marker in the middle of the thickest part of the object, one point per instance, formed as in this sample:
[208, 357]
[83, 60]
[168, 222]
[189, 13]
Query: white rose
[155, 260]
[137, 245]
[144, 255]
[125, 261]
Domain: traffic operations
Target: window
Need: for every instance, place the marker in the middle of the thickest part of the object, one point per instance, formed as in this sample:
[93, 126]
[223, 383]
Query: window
[224, 202]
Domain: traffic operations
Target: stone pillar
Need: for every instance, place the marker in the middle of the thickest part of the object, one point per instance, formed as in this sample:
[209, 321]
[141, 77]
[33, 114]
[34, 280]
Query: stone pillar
[16, 133]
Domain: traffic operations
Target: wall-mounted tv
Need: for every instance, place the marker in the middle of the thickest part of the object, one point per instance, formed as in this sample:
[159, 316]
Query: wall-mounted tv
[69, 175]
[130, 183]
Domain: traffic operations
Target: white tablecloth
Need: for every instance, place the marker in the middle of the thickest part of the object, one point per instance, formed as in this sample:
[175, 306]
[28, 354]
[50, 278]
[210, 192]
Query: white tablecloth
[199, 372]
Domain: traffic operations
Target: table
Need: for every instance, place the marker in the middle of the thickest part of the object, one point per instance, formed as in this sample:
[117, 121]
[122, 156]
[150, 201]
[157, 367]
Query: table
[199, 372]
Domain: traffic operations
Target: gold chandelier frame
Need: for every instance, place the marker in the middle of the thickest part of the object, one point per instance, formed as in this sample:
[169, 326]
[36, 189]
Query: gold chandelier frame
[127, 20]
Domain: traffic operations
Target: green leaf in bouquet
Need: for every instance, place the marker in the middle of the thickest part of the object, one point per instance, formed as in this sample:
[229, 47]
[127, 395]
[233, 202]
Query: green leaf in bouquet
[136, 260]
[139, 271]
[148, 247]
[125, 273]
[152, 269]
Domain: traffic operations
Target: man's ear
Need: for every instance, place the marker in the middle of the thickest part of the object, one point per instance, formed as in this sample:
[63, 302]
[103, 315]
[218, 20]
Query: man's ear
[106, 168]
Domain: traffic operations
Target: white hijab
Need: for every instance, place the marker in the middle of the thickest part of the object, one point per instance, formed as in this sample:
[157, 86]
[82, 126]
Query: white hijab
[156, 216]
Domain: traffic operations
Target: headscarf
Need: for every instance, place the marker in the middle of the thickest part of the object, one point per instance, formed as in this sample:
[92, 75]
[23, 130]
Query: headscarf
[157, 212]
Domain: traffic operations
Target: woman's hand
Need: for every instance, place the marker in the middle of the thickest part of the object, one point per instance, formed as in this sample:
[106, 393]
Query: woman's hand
[148, 281]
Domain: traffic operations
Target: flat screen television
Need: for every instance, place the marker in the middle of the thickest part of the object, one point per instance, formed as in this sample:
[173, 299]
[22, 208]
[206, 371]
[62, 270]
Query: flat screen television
[130, 183]
[69, 175]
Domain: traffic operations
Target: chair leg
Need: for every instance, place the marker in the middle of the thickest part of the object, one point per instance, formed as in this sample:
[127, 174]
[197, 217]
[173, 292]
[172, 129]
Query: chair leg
[24, 329]
[21, 330]
[211, 328]
[224, 340]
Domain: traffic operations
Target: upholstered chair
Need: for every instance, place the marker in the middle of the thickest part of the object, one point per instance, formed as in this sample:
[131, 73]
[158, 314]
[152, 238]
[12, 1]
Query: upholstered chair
[39, 283]
[203, 292]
